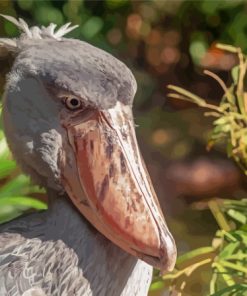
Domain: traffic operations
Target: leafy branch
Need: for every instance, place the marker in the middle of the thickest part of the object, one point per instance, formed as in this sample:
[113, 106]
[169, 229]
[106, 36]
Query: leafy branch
[227, 256]
[230, 123]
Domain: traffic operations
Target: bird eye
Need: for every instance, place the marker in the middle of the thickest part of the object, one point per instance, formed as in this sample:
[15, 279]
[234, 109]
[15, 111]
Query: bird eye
[72, 103]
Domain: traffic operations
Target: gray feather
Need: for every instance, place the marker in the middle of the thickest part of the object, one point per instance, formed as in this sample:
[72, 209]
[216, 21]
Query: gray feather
[37, 252]
[57, 252]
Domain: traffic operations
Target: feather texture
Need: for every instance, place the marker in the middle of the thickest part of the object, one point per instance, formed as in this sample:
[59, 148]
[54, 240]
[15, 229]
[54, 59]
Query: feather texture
[58, 253]
[39, 33]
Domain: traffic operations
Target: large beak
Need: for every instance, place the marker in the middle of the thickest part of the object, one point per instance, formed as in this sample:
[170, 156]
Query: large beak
[106, 179]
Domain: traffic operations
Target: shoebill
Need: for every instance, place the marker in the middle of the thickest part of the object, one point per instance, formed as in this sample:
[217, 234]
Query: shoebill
[67, 113]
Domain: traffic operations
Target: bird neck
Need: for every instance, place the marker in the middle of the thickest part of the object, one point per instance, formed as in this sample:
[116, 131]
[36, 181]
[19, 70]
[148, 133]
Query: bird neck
[103, 267]
[98, 257]
[65, 222]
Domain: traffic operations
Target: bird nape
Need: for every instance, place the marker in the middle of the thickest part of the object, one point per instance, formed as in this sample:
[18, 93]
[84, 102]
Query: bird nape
[67, 114]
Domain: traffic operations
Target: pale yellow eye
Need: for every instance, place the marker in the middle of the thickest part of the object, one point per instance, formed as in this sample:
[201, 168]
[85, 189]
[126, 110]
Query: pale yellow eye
[72, 103]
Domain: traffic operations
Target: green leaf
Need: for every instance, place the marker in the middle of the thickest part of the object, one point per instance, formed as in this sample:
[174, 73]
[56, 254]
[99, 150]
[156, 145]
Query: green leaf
[243, 227]
[19, 185]
[232, 202]
[236, 215]
[156, 286]
[244, 139]
[189, 256]
[240, 236]
[238, 288]
[235, 74]
[8, 213]
[191, 96]
[223, 272]
[228, 250]
[4, 150]
[221, 120]
[233, 266]
[229, 148]
[219, 129]
[14, 206]
[219, 216]
[7, 166]
[23, 202]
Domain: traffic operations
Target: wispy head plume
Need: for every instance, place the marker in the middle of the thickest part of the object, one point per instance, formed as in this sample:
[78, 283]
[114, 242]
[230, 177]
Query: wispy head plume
[34, 32]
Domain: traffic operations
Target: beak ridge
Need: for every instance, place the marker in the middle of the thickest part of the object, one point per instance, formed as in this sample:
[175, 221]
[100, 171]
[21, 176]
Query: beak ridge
[121, 202]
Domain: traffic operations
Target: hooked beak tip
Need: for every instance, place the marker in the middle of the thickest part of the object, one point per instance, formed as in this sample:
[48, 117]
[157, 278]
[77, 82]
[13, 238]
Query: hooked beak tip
[169, 251]
[166, 259]
[168, 255]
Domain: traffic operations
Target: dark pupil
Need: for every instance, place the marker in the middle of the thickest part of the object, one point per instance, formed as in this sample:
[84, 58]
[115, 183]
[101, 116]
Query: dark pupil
[74, 102]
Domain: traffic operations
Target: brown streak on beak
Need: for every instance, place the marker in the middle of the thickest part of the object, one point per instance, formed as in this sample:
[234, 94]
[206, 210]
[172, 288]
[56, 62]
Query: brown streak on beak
[112, 177]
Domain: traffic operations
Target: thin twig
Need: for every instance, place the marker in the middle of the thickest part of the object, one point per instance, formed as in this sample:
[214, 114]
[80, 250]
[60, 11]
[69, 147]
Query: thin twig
[242, 70]
[218, 79]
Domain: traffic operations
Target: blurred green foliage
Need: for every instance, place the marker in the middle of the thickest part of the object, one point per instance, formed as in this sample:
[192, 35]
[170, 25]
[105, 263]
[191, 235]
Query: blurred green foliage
[16, 190]
[226, 257]
[230, 124]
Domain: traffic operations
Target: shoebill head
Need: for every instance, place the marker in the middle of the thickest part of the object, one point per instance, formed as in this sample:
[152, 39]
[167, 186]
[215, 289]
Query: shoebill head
[68, 120]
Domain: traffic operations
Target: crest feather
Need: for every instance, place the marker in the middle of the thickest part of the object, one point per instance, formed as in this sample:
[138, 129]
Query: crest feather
[65, 29]
[7, 45]
[39, 33]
